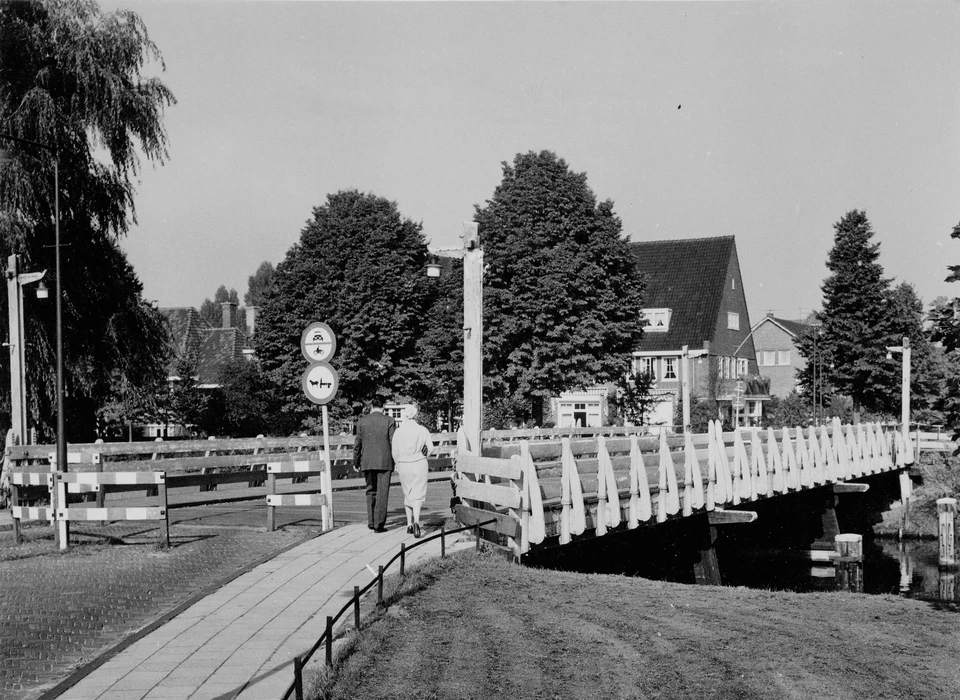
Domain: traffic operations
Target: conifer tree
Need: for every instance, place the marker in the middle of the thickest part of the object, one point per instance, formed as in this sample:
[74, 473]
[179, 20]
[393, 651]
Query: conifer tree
[562, 294]
[856, 324]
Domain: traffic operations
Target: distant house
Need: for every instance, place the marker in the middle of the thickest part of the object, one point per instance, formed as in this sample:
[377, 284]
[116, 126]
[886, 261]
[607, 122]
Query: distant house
[777, 356]
[694, 299]
[211, 348]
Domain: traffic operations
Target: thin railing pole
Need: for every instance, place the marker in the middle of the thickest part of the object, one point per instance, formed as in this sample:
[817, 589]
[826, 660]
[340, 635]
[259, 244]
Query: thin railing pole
[443, 541]
[403, 556]
[380, 586]
[329, 641]
[298, 677]
[477, 528]
[356, 607]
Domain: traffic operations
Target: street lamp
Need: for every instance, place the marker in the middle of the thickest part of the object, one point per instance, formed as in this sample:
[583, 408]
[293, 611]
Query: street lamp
[16, 281]
[61, 421]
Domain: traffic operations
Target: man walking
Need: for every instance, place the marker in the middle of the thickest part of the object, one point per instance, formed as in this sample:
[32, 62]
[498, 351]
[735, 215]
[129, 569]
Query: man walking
[373, 457]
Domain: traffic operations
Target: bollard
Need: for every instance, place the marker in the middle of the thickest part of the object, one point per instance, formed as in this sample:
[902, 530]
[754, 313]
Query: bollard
[356, 607]
[947, 516]
[849, 562]
[443, 541]
[403, 556]
[948, 585]
[478, 536]
[380, 586]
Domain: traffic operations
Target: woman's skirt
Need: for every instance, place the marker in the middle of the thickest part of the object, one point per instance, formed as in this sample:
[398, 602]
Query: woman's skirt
[413, 481]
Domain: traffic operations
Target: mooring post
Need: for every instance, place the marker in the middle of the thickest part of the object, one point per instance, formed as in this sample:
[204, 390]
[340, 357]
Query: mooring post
[947, 516]
[849, 562]
[706, 570]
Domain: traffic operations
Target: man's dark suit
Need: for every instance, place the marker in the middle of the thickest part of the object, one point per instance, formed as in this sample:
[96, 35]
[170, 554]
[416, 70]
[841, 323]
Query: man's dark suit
[372, 456]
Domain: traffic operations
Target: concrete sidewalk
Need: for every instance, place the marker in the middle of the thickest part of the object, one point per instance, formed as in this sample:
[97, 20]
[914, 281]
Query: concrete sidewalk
[240, 641]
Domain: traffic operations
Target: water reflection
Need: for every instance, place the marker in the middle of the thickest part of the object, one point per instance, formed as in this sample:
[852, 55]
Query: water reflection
[920, 575]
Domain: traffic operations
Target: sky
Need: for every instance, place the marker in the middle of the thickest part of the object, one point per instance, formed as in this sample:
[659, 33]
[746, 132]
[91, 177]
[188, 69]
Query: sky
[766, 121]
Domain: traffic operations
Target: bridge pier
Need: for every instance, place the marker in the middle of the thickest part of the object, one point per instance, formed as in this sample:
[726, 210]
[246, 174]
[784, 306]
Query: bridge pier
[706, 569]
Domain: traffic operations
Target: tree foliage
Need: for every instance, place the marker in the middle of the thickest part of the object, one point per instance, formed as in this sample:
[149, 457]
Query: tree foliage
[945, 329]
[359, 267]
[635, 400]
[211, 311]
[561, 288]
[71, 80]
[855, 325]
[259, 284]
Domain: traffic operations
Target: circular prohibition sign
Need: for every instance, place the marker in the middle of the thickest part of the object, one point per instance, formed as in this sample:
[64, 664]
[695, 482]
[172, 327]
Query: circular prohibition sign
[320, 382]
[317, 342]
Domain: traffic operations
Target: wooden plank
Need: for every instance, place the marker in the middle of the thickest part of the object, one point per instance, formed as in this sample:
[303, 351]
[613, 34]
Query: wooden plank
[111, 478]
[296, 499]
[730, 517]
[32, 513]
[150, 513]
[846, 487]
[504, 524]
[505, 496]
[488, 466]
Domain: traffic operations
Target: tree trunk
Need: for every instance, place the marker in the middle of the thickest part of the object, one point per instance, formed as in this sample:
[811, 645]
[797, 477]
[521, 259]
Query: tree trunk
[536, 410]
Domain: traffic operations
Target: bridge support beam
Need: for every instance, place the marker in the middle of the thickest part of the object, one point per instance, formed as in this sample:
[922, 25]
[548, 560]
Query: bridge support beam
[706, 569]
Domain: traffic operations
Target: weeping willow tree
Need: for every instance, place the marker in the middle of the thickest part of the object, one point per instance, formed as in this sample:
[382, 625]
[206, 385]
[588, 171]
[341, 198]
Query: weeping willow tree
[70, 79]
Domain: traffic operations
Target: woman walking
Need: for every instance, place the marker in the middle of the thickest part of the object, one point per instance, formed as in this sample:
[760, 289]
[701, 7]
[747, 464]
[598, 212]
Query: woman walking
[411, 446]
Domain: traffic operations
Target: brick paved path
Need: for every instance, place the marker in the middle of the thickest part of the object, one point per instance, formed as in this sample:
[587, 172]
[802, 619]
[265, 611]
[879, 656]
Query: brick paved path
[58, 611]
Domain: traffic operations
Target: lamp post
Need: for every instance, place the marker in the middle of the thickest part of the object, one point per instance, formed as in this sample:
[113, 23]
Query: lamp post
[906, 486]
[61, 421]
[16, 281]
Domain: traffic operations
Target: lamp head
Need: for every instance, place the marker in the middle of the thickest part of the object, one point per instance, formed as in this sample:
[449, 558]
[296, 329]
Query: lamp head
[42, 291]
[433, 270]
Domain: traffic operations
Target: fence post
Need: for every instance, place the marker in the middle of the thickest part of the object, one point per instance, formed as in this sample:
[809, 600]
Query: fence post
[329, 634]
[298, 677]
[380, 586]
[356, 607]
[403, 556]
[443, 541]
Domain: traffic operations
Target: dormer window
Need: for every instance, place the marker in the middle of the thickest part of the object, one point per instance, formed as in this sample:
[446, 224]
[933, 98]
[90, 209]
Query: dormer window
[656, 320]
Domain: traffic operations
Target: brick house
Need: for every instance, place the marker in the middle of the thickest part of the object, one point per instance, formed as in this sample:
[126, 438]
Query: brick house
[694, 298]
[777, 356]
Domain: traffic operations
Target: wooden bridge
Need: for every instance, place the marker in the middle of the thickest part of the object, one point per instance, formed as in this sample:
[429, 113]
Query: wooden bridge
[548, 494]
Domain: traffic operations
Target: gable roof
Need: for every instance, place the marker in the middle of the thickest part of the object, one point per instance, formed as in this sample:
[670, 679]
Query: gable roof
[191, 334]
[794, 328]
[688, 277]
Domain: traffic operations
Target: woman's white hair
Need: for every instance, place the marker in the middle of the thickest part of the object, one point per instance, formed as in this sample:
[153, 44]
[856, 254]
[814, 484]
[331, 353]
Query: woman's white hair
[410, 412]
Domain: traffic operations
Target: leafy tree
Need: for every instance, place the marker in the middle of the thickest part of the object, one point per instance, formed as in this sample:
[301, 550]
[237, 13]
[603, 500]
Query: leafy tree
[247, 404]
[259, 284]
[186, 402]
[945, 329]
[359, 267]
[212, 311]
[71, 80]
[635, 400]
[561, 288]
[926, 371]
[855, 325]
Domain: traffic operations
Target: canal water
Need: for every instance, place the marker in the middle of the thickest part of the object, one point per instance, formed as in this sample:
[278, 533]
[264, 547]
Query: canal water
[908, 568]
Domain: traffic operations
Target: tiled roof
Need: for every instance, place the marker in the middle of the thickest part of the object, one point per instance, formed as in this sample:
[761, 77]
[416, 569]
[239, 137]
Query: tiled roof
[687, 276]
[220, 346]
[213, 347]
[795, 328]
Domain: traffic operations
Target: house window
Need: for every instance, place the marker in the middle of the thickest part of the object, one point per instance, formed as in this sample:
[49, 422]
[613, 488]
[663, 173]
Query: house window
[769, 357]
[741, 366]
[783, 357]
[656, 320]
[733, 321]
[670, 368]
[647, 365]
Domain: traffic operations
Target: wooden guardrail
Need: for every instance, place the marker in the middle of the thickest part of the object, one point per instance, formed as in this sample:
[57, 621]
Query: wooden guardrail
[569, 486]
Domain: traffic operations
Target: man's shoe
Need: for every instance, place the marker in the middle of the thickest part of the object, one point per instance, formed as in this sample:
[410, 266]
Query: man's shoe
[380, 529]
[409, 529]
[416, 530]
[370, 527]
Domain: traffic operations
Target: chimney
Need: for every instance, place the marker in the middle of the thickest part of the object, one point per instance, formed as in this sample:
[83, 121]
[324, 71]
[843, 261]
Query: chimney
[229, 310]
[251, 319]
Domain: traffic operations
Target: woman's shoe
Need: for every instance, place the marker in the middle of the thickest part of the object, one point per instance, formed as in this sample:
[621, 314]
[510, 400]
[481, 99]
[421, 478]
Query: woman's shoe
[409, 529]
[416, 530]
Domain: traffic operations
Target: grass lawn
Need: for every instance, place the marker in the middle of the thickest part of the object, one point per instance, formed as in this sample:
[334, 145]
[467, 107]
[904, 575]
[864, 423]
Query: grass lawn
[479, 627]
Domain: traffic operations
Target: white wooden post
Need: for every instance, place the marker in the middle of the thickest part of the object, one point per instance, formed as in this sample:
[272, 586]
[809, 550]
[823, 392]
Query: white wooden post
[472, 336]
[685, 385]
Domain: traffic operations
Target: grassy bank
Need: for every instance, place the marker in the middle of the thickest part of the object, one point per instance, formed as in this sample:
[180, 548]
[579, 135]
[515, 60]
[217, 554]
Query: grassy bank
[940, 479]
[479, 627]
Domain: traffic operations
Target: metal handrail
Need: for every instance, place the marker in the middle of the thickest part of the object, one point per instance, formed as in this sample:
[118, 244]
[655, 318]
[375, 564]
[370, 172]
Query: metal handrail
[296, 687]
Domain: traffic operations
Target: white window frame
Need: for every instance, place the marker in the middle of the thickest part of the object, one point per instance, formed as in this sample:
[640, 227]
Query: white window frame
[741, 366]
[670, 368]
[656, 320]
[647, 365]
[733, 321]
[769, 358]
[783, 357]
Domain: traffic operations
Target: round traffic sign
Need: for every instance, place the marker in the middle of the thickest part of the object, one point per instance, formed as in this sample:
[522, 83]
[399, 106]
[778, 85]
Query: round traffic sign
[317, 342]
[320, 382]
